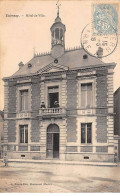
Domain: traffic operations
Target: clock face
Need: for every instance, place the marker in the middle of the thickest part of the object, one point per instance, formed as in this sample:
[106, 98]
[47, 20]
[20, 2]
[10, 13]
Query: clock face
[91, 41]
[58, 42]
[55, 42]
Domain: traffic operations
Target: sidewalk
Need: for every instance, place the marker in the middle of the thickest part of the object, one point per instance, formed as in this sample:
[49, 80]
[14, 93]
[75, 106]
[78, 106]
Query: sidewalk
[62, 162]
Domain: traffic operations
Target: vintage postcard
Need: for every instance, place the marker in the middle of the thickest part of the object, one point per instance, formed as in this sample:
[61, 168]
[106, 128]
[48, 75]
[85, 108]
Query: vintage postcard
[59, 96]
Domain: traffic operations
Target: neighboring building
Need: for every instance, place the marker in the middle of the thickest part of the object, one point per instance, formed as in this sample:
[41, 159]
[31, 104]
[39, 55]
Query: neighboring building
[1, 133]
[60, 105]
[117, 124]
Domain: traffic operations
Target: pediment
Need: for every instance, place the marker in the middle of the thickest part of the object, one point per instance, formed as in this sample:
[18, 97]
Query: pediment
[53, 68]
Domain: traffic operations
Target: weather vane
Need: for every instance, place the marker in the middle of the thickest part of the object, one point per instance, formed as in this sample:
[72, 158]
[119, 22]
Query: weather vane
[58, 7]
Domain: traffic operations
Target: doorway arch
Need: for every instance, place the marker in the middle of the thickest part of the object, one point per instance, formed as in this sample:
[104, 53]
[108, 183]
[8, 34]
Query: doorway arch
[53, 133]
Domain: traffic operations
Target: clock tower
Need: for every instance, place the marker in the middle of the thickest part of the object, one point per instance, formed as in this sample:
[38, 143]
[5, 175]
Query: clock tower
[57, 37]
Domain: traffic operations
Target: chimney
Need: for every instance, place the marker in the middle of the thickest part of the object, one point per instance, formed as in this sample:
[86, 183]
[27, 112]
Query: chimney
[20, 65]
[100, 52]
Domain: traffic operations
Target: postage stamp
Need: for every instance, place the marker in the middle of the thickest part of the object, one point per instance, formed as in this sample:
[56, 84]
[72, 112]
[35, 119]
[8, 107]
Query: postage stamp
[105, 18]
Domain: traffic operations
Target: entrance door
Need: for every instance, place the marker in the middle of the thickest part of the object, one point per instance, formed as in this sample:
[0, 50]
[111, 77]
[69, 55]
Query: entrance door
[55, 145]
[52, 141]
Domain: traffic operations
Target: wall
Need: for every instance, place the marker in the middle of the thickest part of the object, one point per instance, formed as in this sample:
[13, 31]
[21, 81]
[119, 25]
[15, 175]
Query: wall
[12, 99]
[1, 133]
[117, 112]
[71, 107]
[101, 105]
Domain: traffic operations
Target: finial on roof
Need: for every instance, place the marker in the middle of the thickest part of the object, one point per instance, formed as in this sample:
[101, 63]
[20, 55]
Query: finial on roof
[58, 7]
[21, 64]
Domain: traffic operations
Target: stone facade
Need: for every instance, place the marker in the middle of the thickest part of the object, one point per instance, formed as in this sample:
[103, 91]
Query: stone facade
[80, 128]
[1, 133]
[117, 112]
[117, 124]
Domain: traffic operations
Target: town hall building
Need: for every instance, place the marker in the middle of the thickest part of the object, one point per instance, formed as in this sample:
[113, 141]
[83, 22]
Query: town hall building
[59, 105]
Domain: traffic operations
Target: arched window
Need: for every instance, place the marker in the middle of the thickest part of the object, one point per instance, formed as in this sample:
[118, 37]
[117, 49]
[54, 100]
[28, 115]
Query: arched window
[53, 128]
[61, 34]
[57, 33]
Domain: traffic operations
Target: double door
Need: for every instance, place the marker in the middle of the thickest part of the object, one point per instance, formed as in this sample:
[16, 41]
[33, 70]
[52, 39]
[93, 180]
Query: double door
[52, 145]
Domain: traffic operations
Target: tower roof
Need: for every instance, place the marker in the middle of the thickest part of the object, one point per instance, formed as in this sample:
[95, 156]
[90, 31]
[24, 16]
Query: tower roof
[58, 19]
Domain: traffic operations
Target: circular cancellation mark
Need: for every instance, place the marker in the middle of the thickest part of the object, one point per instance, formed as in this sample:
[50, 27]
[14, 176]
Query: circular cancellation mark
[92, 40]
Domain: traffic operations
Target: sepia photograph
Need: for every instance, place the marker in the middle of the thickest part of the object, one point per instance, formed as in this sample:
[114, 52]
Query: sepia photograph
[59, 96]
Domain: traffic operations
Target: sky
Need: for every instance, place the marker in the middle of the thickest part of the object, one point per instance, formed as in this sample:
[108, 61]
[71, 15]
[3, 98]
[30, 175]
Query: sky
[21, 36]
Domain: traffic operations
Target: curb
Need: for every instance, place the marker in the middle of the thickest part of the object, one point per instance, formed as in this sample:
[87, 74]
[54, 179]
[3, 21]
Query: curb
[62, 162]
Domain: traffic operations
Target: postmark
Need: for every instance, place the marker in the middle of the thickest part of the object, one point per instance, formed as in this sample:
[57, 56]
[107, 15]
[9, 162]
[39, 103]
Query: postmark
[92, 43]
[105, 18]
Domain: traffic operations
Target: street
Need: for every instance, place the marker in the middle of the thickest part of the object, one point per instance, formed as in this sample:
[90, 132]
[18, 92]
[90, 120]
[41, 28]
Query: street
[58, 178]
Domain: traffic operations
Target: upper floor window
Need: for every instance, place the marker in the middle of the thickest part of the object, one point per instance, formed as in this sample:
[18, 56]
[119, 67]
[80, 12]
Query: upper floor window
[23, 100]
[86, 133]
[86, 95]
[53, 96]
[23, 134]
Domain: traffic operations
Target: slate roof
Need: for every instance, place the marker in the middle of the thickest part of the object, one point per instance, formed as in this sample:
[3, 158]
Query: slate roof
[71, 59]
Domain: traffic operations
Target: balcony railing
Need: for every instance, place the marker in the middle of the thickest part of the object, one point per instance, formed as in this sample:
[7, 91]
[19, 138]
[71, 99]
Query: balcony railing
[52, 111]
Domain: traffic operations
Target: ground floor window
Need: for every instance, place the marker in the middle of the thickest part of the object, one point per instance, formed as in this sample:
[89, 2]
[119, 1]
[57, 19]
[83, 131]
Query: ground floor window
[86, 133]
[23, 133]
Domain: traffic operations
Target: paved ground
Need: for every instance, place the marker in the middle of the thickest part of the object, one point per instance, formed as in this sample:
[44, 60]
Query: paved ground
[28, 177]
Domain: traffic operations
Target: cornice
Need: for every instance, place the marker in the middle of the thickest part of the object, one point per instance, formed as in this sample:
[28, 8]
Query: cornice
[70, 70]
